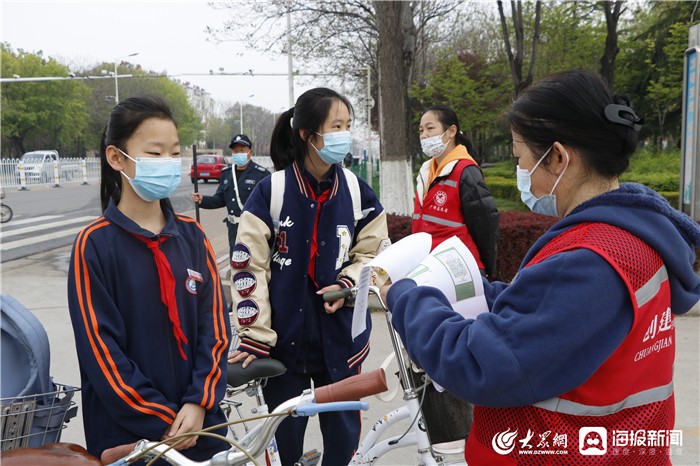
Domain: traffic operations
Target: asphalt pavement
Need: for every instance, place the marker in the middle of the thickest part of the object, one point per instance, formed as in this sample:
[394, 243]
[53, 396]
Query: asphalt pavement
[39, 282]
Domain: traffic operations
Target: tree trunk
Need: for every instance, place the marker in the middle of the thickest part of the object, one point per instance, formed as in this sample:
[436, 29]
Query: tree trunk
[516, 60]
[613, 10]
[396, 49]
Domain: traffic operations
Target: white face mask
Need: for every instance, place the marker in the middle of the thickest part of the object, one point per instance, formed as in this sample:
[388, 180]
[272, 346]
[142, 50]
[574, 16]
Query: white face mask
[433, 146]
[547, 204]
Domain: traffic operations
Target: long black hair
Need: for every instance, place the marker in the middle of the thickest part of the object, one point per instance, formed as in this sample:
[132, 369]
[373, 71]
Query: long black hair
[309, 113]
[447, 117]
[577, 108]
[124, 120]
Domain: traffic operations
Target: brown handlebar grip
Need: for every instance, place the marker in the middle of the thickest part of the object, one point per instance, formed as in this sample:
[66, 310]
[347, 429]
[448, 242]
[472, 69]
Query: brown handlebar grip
[113, 454]
[353, 388]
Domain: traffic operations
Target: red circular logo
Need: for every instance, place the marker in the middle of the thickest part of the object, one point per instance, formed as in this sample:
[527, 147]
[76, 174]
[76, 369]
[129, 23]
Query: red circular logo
[440, 198]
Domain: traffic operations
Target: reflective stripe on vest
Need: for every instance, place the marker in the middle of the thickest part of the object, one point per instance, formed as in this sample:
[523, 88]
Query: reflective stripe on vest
[560, 405]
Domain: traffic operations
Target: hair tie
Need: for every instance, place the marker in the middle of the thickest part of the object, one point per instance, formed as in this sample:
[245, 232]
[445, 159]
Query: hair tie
[623, 115]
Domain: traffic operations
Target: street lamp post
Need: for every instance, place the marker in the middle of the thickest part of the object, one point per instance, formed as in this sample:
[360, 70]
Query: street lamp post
[116, 75]
[240, 108]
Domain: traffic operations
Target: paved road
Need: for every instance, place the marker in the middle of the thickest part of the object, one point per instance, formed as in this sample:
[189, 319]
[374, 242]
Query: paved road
[39, 282]
[48, 218]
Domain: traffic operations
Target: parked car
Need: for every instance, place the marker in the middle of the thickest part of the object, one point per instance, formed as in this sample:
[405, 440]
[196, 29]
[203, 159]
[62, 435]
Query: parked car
[208, 168]
[39, 167]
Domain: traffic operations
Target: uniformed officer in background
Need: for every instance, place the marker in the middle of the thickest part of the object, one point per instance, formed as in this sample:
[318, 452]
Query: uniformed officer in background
[233, 191]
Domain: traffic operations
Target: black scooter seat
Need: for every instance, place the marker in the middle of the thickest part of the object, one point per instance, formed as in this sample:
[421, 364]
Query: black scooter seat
[257, 369]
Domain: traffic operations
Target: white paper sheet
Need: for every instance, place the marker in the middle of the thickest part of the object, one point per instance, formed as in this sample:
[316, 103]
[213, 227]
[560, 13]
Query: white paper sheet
[397, 261]
[451, 267]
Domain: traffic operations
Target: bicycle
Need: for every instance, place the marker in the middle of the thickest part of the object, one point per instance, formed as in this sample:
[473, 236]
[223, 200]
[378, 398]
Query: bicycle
[334, 397]
[256, 440]
[372, 447]
[251, 381]
[5, 210]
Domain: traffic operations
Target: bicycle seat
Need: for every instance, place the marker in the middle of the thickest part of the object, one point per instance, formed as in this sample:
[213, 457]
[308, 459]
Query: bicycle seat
[257, 369]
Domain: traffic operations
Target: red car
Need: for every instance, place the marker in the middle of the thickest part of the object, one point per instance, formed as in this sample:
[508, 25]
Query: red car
[208, 168]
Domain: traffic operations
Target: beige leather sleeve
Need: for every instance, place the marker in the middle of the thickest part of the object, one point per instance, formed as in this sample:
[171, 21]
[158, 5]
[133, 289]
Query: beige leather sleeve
[254, 326]
[369, 242]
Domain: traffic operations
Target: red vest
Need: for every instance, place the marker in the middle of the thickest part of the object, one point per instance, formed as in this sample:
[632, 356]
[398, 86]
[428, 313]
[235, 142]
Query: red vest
[626, 408]
[440, 213]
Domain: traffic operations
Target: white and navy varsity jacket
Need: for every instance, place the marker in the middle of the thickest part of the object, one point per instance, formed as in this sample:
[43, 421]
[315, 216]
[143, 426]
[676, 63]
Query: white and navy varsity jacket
[270, 272]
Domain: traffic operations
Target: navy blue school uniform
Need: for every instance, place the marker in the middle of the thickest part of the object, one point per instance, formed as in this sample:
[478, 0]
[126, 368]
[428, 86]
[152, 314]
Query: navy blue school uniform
[141, 359]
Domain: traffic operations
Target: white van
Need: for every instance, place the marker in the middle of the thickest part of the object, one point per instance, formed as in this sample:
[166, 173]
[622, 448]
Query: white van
[38, 165]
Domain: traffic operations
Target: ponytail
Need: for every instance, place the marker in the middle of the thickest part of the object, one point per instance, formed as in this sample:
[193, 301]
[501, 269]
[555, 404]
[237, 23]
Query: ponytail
[110, 180]
[466, 142]
[282, 150]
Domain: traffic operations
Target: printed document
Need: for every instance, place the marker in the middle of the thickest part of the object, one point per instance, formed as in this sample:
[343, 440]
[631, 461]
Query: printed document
[450, 267]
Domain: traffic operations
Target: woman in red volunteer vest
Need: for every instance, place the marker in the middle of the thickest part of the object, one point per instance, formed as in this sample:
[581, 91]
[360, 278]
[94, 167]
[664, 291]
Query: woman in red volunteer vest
[452, 200]
[451, 195]
[572, 362]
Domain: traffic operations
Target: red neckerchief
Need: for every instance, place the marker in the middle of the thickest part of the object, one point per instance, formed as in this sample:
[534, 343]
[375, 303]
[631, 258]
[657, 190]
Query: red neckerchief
[314, 236]
[167, 287]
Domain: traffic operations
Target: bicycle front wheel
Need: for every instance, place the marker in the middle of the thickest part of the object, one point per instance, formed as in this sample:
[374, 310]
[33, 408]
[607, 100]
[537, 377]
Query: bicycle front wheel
[5, 213]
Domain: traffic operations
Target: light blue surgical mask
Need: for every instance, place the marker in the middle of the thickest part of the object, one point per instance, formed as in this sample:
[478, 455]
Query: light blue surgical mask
[240, 159]
[155, 177]
[336, 146]
[547, 204]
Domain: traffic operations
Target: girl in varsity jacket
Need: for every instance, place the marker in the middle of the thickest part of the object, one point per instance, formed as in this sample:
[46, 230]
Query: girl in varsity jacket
[575, 358]
[306, 230]
[145, 298]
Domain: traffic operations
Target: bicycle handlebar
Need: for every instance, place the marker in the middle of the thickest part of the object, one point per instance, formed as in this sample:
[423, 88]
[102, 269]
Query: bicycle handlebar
[111, 455]
[309, 409]
[342, 293]
[353, 388]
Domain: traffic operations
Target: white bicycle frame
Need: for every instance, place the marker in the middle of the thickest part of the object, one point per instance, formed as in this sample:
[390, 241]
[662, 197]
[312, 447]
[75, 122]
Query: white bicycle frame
[371, 447]
[253, 390]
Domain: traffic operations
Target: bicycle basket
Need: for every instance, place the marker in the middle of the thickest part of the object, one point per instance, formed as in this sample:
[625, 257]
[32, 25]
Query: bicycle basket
[35, 420]
[447, 417]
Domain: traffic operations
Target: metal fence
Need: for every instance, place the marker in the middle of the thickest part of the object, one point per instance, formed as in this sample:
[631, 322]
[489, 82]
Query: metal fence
[14, 174]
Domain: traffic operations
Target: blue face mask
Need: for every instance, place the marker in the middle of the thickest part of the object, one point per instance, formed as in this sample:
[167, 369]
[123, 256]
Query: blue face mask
[336, 146]
[547, 204]
[156, 177]
[240, 159]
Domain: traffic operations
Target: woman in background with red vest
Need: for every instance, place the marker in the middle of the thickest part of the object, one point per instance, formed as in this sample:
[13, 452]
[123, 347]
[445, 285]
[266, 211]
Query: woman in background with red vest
[451, 195]
[573, 362]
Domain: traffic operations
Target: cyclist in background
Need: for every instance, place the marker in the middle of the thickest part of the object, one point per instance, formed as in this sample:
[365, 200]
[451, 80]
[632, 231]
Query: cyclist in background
[145, 297]
[584, 335]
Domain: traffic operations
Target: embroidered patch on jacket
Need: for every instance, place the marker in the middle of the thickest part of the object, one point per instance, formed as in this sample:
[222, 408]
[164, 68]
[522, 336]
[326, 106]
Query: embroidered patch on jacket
[191, 281]
[250, 181]
[245, 283]
[440, 198]
[247, 312]
[240, 258]
[225, 182]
